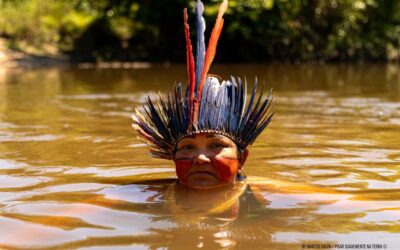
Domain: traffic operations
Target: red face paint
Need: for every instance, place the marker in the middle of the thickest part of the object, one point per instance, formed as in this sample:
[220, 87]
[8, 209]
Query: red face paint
[226, 168]
[182, 168]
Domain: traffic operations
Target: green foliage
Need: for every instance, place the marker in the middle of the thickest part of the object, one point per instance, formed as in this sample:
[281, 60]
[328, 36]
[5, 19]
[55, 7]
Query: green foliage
[255, 30]
[33, 25]
[316, 30]
[72, 25]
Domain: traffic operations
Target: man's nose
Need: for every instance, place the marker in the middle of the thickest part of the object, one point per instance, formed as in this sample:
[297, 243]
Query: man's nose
[201, 159]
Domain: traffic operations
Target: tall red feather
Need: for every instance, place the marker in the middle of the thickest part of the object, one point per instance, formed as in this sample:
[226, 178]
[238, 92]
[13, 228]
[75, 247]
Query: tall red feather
[210, 54]
[189, 64]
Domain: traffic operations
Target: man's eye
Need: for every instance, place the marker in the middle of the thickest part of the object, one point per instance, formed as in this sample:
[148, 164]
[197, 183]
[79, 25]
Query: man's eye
[217, 145]
[187, 147]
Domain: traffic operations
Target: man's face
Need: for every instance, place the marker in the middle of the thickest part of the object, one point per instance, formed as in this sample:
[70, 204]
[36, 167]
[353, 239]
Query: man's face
[206, 160]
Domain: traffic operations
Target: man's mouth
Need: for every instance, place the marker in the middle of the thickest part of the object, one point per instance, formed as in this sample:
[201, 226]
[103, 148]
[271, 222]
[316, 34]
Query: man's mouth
[202, 173]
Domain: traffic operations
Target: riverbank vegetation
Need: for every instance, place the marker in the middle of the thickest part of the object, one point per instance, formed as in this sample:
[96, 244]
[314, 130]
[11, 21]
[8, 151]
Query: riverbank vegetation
[255, 30]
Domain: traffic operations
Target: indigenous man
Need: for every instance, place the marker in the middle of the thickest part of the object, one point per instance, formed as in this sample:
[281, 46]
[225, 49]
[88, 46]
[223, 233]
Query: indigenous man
[206, 129]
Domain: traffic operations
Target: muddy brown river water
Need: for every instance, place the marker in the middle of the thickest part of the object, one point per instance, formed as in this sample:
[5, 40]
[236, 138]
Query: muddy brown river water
[325, 174]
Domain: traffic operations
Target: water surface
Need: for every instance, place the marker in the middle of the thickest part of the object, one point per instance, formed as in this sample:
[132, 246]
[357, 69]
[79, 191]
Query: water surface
[326, 171]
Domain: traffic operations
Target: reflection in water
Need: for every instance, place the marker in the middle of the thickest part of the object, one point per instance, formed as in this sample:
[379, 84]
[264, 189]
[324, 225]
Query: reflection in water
[73, 175]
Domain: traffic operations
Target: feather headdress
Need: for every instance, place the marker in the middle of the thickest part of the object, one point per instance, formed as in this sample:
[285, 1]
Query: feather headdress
[206, 105]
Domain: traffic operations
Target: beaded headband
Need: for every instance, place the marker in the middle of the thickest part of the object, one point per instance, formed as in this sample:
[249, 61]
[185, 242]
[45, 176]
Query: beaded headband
[207, 105]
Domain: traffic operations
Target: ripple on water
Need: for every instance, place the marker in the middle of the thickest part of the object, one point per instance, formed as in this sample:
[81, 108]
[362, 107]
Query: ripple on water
[323, 172]
[46, 170]
[378, 153]
[381, 171]
[139, 97]
[307, 161]
[10, 164]
[132, 245]
[394, 121]
[4, 125]
[381, 217]
[349, 179]
[7, 125]
[13, 230]
[351, 206]
[86, 97]
[8, 197]
[117, 113]
[343, 142]
[285, 201]
[361, 155]
[374, 184]
[345, 107]
[21, 137]
[75, 187]
[117, 172]
[138, 145]
[82, 220]
[25, 133]
[7, 181]
[131, 193]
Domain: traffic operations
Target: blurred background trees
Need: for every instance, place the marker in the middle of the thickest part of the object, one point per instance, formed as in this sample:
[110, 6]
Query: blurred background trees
[255, 30]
